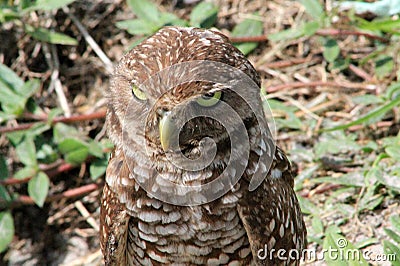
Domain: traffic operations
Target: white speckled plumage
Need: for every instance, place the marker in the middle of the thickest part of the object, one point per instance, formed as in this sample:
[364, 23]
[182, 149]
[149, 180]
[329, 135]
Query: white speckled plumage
[138, 229]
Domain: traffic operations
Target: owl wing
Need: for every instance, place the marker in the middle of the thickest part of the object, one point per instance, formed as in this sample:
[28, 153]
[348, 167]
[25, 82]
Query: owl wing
[272, 217]
[114, 219]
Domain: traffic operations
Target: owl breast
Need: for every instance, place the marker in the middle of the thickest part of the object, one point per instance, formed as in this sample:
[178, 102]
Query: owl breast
[207, 234]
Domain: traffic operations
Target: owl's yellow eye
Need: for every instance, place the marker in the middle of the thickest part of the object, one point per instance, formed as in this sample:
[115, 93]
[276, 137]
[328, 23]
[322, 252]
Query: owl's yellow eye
[139, 94]
[209, 99]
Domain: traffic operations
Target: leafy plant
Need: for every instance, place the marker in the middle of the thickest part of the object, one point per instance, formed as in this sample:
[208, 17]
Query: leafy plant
[44, 142]
[17, 14]
[391, 248]
[6, 230]
[248, 27]
[149, 19]
[14, 93]
[204, 15]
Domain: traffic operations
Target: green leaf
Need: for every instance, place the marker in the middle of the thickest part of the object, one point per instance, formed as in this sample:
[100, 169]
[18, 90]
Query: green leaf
[37, 129]
[340, 64]
[310, 28]
[391, 180]
[292, 121]
[383, 66]
[333, 229]
[370, 200]
[46, 5]
[247, 28]
[308, 207]
[5, 196]
[9, 77]
[392, 251]
[107, 144]
[77, 156]
[145, 10]
[168, 19]
[335, 143]
[71, 144]
[5, 117]
[393, 151]
[367, 99]
[395, 220]
[138, 26]
[25, 172]
[393, 91]
[368, 117]
[53, 114]
[32, 107]
[38, 187]
[29, 88]
[7, 14]
[283, 35]
[204, 15]
[317, 225]
[6, 230]
[98, 168]
[26, 152]
[351, 179]
[45, 35]
[96, 149]
[366, 242]
[3, 168]
[339, 243]
[307, 29]
[393, 235]
[385, 25]
[313, 8]
[62, 131]
[46, 154]
[11, 102]
[75, 150]
[331, 50]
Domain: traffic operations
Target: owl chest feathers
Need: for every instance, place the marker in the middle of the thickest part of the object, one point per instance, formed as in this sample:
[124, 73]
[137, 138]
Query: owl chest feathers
[207, 234]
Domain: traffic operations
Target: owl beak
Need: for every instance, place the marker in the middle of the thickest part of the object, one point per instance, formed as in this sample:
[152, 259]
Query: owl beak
[167, 130]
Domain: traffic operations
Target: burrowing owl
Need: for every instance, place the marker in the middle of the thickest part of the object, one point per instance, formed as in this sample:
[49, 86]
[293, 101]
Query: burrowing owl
[147, 215]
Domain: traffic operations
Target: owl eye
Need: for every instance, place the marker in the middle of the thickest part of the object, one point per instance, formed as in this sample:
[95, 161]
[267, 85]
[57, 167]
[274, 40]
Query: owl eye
[209, 99]
[139, 94]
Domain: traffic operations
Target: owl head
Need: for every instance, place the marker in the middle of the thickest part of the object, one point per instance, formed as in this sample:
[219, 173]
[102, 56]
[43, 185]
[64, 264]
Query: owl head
[187, 101]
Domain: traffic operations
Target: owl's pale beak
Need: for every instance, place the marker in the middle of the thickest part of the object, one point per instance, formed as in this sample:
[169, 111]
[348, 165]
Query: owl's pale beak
[167, 130]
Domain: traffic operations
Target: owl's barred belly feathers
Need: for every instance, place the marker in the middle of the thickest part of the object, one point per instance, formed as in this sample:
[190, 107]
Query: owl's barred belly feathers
[237, 227]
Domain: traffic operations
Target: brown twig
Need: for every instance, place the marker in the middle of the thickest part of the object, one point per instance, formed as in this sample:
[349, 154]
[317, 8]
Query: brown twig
[361, 73]
[55, 170]
[290, 62]
[71, 193]
[379, 124]
[71, 119]
[77, 118]
[320, 190]
[261, 38]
